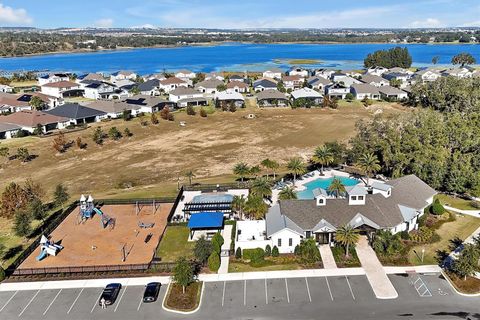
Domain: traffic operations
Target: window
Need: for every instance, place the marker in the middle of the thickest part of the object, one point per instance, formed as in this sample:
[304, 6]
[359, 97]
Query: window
[360, 198]
[290, 242]
[353, 198]
[388, 192]
[320, 201]
[308, 234]
[279, 242]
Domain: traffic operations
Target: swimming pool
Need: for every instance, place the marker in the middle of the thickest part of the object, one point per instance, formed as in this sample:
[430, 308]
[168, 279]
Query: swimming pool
[324, 184]
[209, 197]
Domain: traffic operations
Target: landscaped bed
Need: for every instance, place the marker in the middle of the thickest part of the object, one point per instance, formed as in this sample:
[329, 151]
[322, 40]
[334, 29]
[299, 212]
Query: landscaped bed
[470, 285]
[282, 262]
[342, 261]
[175, 244]
[188, 301]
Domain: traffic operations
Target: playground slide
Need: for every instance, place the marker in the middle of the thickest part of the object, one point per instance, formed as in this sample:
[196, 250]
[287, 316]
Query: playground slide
[59, 247]
[42, 255]
[98, 211]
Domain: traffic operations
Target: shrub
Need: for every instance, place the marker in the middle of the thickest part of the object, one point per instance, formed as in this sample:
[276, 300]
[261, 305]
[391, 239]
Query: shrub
[238, 253]
[203, 113]
[308, 251]
[191, 111]
[349, 97]
[268, 251]
[275, 252]
[422, 235]
[214, 262]
[404, 235]
[254, 255]
[202, 250]
[164, 114]
[437, 208]
[475, 204]
[98, 136]
[153, 118]
[2, 274]
[421, 220]
[114, 134]
[127, 132]
[232, 108]
[171, 117]
[217, 242]
[296, 251]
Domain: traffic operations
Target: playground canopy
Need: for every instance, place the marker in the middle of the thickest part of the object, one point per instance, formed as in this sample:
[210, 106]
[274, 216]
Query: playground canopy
[206, 220]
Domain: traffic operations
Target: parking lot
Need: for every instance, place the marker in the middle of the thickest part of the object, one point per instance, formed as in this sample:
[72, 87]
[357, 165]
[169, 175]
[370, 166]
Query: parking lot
[246, 298]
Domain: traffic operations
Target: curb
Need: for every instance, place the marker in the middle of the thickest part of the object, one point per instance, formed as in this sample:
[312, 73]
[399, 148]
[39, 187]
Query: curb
[471, 295]
[178, 311]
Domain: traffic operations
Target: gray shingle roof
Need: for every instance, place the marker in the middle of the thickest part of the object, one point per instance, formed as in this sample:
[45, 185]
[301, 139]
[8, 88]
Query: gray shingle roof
[75, 111]
[381, 186]
[149, 85]
[277, 221]
[270, 94]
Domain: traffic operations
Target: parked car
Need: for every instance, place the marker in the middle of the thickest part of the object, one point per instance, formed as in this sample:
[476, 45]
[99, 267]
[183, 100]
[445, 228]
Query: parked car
[110, 293]
[151, 292]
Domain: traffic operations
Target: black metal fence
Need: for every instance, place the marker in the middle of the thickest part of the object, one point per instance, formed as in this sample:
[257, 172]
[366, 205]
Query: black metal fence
[216, 187]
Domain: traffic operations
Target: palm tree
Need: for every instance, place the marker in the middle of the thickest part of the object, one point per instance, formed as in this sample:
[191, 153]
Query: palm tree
[386, 243]
[322, 156]
[241, 169]
[267, 164]
[238, 203]
[337, 187]
[287, 193]
[255, 207]
[296, 166]
[190, 175]
[255, 170]
[274, 166]
[347, 236]
[261, 187]
[369, 164]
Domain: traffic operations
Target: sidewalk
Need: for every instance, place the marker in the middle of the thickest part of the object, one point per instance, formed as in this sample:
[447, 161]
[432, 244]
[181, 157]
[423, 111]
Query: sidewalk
[227, 237]
[374, 270]
[327, 256]
[473, 213]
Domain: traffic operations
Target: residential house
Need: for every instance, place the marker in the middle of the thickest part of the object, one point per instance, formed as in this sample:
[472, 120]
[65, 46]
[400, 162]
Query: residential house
[184, 97]
[10, 103]
[91, 77]
[49, 101]
[365, 91]
[147, 104]
[185, 75]
[313, 97]
[353, 73]
[150, 87]
[344, 79]
[123, 75]
[324, 73]
[8, 130]
[403, 78]
[273, 73]
[374, 80]
[99, 90]
[236, 77]
[271, 98]
[61, 89]
[237, 86]
[224, 99]
[5, 88]
[77, 114]
[264, 84]
[171, 84]
[400, 70]
[292, 82]
[298, 71]
[318, 83]
[54, 77]
[214, 76]
[209, 86]
[427, 75]
[377, 71]
[30, 120]
[392, 93]
[158, 76]
[395, 207]
[460, 73]
[337, 90]
[114, 109]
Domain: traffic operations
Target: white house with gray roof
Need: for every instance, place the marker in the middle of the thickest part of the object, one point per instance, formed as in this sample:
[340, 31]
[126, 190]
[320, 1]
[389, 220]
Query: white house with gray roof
[393, 206]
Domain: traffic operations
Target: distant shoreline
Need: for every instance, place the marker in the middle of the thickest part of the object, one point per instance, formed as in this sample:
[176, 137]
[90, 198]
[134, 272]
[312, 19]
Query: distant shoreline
[217, 43]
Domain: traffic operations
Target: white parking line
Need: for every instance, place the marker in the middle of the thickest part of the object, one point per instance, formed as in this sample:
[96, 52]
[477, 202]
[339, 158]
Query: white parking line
[6, 303]
[351, 291]
[20, 314]
[223, 295]
[120, 299]
[328, 285]
[46, 310]
[308, 290]
[75, 301]
[139, 304]
[266, 292]
[245, 292]
[286, 288]
[96, 301]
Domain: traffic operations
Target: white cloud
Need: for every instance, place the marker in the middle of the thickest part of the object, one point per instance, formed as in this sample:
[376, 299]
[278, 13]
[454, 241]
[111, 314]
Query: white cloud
[9, 15]
[104, 23]
[427, 23]
[471, 24]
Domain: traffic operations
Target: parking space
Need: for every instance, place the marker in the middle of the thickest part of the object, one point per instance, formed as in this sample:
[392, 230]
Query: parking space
[414, 286]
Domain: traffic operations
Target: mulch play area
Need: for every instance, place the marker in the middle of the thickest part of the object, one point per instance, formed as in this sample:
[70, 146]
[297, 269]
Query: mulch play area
[88, 243]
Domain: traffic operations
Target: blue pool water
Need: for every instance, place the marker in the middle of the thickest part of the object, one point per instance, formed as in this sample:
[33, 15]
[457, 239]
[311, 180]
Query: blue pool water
[205, 198]
[324, 184]
[230, 56]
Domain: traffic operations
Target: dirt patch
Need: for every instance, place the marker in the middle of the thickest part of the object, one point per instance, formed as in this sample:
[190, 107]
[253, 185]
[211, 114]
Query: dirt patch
[89, 244]
[469, 286]
[188, 301]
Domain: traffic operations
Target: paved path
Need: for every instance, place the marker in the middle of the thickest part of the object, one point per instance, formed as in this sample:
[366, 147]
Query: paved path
[327, 256]
[473, 213]
[227, 237]
[376, 275]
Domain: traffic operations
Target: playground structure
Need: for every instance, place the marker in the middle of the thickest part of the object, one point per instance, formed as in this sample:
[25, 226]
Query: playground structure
[48, 247]
[88, 209]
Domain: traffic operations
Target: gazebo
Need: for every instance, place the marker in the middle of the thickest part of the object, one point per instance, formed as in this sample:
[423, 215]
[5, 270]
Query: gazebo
[206, 224]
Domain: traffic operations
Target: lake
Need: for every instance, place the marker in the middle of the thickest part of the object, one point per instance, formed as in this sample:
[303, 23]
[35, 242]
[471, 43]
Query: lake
[229, 57]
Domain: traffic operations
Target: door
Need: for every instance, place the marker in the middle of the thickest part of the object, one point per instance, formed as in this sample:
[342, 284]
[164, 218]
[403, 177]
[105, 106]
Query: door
[322, 237]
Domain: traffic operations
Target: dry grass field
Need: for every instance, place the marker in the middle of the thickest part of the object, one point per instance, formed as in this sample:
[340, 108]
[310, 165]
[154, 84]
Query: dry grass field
[151, 162]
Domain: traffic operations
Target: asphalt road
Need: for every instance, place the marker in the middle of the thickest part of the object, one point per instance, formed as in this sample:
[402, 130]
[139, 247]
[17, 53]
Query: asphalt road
[299, 298]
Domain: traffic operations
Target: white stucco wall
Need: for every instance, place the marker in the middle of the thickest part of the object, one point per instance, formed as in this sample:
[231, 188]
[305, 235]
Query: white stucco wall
[285, 235]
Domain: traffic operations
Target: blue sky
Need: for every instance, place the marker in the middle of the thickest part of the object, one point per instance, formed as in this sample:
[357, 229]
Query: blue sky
[240, 14]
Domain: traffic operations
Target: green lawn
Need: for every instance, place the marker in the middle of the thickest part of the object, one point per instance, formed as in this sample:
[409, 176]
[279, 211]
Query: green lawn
[458, 203]
[236, 266]
[462, 227]
[175, 244]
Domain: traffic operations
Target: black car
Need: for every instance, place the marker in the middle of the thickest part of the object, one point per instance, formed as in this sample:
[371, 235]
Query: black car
[151, 292]
[110, 293]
